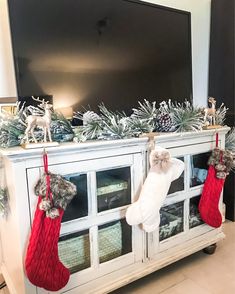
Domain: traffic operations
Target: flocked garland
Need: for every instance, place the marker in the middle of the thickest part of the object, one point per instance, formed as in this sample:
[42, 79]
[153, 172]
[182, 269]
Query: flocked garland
[230, 141]
[12, 127]
[107, 124]
[169, 117]
[3, 191]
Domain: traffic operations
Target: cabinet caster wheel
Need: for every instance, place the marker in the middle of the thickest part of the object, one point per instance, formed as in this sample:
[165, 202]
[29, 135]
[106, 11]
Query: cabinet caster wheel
[210, 249]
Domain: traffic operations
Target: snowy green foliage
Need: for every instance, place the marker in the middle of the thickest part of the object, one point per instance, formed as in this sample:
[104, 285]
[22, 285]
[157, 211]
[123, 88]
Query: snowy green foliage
[186, 117]
[107, 124]
[220, 115]
[230, 141]
[12, 127]
[3, 202]
[170, 116]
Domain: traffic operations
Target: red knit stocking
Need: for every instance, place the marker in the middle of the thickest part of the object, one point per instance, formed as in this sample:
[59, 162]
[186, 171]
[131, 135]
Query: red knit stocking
[209, 202]
[42, 264]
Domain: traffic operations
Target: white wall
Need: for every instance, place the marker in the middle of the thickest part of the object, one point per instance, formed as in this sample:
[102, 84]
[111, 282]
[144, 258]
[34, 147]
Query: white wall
[7, 75]
[200, 11]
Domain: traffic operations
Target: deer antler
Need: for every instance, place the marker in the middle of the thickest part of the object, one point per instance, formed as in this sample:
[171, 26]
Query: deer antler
[38, 100]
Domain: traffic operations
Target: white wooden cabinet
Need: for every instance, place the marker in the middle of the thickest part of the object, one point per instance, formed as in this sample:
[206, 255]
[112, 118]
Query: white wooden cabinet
[96, 243]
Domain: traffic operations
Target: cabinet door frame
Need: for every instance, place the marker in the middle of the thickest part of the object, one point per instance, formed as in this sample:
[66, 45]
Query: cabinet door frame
[94, 219]
[155, 247]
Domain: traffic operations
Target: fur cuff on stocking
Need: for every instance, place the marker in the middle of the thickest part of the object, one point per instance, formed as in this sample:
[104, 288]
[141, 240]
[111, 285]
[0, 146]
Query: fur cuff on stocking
[62, 190]
[223, 162]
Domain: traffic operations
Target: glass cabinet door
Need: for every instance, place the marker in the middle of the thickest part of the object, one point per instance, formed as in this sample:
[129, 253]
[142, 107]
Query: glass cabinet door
[194, 215]
[178, 184]
[114, 240]
[113, 188]
[78, 207]
[74, 251]
[198, 168]
[180, 219]
[94, 236]
[171, 220]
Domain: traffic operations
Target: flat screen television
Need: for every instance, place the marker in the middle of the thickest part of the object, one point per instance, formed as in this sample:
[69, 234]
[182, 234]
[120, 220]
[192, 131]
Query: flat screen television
[84, 52]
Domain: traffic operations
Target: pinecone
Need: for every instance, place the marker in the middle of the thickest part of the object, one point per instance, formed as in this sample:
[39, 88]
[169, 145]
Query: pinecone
[163, 123]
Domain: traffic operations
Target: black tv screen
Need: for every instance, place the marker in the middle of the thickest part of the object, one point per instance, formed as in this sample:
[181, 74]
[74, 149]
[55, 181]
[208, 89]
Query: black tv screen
[84, 52]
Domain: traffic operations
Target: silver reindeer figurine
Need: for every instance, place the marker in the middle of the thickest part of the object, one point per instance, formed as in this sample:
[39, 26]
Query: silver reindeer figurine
[41, 121]
[210, 112]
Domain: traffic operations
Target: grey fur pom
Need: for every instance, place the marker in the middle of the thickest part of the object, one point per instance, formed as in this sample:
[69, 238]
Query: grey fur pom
[45, 204]
[62, 190]
[221, 175]
[220, 167]
[53, 213]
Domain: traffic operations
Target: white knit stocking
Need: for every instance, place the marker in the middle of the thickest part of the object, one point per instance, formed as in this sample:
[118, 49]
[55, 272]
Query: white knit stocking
[163, 170]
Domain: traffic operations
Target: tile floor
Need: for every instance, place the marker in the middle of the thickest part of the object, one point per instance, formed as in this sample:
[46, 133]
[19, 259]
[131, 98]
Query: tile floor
[196, 274]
